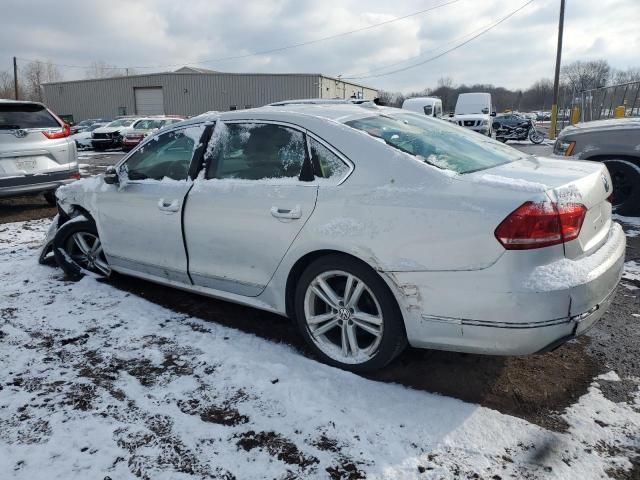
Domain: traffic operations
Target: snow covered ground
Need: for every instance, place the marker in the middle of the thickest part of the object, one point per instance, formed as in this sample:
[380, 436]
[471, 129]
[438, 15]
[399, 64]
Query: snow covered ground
[96, 382]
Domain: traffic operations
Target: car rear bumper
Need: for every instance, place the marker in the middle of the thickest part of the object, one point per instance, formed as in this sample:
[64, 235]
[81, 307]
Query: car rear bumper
[481, 312]
[25, 184]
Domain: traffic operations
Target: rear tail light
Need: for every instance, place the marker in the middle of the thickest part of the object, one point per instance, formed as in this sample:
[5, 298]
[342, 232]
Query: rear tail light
[542, 224]
[75, 175]
[65, 131]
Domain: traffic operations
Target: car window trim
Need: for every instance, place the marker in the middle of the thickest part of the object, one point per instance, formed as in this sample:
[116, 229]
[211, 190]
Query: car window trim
[306, 162]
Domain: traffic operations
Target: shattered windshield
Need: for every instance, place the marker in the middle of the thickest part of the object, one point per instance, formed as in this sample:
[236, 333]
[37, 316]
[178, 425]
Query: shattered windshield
[437, 142]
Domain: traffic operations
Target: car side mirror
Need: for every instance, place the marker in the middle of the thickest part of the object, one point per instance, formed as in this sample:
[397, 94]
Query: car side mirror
[111, 176]
[493, 114]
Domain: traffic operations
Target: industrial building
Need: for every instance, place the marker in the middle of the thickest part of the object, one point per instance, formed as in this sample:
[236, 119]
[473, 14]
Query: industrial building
[190, 91]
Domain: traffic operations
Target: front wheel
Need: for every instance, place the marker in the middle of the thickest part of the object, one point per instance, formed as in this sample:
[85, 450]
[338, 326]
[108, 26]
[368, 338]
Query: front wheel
[77, 249]
[536, 137]
[348, 315]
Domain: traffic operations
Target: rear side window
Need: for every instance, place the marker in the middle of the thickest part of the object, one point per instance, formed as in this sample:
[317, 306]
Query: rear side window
[326, 164]
[14, 116]
[254, 151]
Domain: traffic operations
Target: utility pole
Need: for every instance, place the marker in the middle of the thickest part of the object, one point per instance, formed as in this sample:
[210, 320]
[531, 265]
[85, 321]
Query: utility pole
[556, 79]
[15, 78]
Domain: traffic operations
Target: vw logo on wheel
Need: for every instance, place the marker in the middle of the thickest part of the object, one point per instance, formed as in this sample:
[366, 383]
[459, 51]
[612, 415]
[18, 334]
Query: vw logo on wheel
[20, 133]
[605, 182]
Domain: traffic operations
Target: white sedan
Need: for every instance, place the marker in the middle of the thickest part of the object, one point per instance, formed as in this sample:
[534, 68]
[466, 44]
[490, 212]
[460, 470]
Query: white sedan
[372, 227]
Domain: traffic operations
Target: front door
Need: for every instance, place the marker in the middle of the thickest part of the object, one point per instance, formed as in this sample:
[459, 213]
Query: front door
[140, 222]
[241, 218]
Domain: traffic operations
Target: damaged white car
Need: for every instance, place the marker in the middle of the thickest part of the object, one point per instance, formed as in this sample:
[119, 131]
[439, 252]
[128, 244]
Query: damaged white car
[372, 227]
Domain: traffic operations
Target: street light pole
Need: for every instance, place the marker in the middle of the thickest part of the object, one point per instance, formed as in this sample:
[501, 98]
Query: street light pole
[15, 78]
[556, 79]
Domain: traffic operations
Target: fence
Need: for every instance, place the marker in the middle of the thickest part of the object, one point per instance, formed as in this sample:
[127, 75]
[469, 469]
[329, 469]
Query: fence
[599, 103]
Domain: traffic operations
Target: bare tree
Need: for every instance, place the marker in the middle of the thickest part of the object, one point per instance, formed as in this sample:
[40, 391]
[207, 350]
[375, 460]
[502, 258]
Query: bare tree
[581, 76]
[6, 85]
[626, 76]
[33, 75]
[101, 69]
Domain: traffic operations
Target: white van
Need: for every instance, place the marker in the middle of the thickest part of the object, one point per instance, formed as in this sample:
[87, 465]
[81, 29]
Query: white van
[430, 106]
[474, 111]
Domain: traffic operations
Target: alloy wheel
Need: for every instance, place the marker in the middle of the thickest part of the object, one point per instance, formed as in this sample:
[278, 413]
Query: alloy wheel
[343, 317]
[85, 249]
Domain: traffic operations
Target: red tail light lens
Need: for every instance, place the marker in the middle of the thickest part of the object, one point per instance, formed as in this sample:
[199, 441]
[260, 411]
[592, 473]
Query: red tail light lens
[537, 225]
[65, 131]
[75, 175]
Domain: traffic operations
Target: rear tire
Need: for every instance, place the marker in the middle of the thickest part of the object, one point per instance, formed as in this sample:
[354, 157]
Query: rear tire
[357, 325]
[625, 176]
[77, 249]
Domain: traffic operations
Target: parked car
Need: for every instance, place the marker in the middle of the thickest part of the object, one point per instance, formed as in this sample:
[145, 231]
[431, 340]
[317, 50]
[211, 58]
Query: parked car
[429, 106]
[110, 136]
[36, 153]
[143, 128]
[85, 124]
[616, 143]
[474, 111]
[83, 137]
[371, 227]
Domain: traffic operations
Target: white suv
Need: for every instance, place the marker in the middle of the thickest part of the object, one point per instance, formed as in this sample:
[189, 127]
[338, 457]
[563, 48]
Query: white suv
[36, 152]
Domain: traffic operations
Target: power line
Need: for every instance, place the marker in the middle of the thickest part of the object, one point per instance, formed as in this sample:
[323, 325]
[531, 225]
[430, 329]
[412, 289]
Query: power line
[491, 27]
[265, 52]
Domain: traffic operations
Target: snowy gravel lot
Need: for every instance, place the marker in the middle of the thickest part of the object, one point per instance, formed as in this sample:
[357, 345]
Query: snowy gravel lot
[126, 379]
[97, 382]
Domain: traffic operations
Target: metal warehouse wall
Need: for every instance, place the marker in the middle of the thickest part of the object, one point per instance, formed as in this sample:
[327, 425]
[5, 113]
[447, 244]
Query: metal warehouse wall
[335, 88]
[184, 93]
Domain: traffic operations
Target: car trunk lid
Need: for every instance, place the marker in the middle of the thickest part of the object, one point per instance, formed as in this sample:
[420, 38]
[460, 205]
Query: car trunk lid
[564, 182]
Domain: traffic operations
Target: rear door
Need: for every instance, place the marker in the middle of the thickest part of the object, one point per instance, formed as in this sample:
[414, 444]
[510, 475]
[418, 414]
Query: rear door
[140, 221]
[245, 212]
[28, 143]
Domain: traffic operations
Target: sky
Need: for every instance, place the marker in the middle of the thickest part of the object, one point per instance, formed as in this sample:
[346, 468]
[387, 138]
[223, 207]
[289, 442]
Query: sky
[165, 34]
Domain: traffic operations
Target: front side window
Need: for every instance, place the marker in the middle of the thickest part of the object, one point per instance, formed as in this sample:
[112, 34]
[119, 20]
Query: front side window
[255, 151]
[167, 155]
[428, 110]
[436, 142]
[147, 124]
[326, 163]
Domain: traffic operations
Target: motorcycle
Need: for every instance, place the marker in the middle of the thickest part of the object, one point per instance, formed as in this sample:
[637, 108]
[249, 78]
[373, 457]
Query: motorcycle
[521, 131]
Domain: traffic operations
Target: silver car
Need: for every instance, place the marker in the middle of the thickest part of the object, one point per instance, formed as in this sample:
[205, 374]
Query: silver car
[36, 153]
[616, 143]
[371, 227]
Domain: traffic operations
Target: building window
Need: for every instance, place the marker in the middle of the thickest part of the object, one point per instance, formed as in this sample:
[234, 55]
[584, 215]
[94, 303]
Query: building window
[233, 107]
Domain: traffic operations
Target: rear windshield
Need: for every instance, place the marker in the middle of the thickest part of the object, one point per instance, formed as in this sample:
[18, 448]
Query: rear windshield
[123, 122]
[437, 142]
[14, 116]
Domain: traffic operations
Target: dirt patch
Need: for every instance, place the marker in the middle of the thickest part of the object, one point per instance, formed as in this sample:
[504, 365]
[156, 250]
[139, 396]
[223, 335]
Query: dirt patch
[275, 445]
[221, 414]
[27, 207]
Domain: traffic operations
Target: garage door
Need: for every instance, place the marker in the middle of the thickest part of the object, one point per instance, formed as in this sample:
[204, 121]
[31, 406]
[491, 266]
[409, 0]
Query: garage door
[149, 101]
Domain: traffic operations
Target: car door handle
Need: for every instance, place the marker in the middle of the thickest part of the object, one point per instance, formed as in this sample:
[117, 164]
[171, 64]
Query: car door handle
[286, 212]
[168, 206]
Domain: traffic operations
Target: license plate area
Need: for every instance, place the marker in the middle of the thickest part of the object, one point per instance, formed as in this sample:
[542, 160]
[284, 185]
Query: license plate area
[27, 165]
